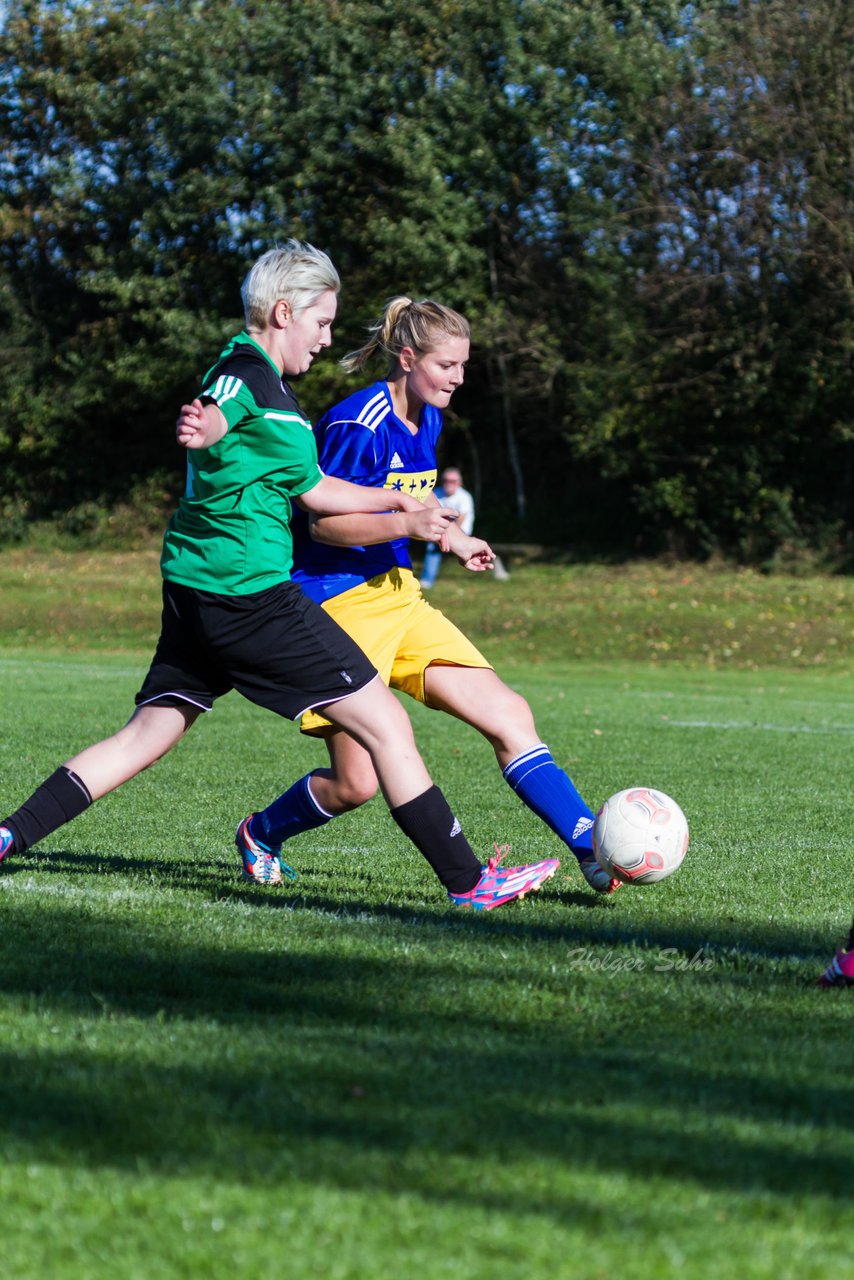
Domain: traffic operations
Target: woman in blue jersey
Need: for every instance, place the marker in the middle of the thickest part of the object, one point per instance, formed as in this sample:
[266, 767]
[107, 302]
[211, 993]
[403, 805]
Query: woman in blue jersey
[233, 618]
[358, 567]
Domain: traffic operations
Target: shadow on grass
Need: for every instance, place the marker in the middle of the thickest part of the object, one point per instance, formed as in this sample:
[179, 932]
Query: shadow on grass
[195, 874]
[601, 921]
[343, 1068]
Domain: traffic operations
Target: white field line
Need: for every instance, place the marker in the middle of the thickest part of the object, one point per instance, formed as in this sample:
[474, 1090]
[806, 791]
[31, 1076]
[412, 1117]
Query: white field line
[16, 884]
[103, 671]
[175, 898]
[756, 727]
[812, 704]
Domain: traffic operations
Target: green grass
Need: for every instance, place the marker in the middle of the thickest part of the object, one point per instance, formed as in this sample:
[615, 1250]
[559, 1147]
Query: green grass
[689, 614]
[343, 1079]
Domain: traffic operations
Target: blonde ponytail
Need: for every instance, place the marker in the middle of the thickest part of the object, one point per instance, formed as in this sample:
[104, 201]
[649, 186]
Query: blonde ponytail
[420, 325]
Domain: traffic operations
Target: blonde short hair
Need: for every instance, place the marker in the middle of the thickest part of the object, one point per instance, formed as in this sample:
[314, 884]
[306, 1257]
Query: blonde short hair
[297, 272]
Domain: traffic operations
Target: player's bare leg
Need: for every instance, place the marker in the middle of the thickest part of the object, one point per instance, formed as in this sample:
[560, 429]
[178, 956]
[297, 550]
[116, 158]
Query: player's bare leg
[150, 733]
[480, 698]
[372, 744]
[380, 725]
[350, 780]
[93, 772]
[378, 722]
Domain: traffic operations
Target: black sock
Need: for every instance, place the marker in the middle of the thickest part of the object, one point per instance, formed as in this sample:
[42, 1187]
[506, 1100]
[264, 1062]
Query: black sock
[428, 822]
[60, 798]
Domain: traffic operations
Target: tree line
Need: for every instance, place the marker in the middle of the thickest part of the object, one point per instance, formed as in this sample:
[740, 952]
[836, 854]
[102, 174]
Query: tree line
[643, 206]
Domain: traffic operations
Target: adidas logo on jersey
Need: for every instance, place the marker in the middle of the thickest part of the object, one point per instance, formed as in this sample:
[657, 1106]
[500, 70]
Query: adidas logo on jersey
[396, 461]
[582, 825]
[456, 828]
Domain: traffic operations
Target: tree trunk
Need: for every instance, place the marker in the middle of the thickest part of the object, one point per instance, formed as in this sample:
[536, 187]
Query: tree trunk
[507, 406]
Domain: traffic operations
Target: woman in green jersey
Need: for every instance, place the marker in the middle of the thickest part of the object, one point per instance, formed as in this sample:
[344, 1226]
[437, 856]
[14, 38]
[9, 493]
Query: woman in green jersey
[232, 618]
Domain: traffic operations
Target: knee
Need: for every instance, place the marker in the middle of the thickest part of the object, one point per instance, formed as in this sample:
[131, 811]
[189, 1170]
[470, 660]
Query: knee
[356, 789]
[512, 723]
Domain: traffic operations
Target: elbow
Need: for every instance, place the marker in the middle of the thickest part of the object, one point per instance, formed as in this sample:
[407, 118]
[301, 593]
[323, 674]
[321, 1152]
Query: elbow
[315, 529]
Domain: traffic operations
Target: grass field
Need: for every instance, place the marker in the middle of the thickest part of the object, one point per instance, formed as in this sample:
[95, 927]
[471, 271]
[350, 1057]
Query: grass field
[343, 1079]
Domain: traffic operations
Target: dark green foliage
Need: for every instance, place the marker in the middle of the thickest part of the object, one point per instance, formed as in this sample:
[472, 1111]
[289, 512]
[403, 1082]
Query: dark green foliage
[645, 209]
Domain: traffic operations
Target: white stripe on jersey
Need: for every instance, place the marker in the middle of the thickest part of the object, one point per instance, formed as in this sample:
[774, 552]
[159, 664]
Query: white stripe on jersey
[373, 411]
[225, 388]
[287, 417]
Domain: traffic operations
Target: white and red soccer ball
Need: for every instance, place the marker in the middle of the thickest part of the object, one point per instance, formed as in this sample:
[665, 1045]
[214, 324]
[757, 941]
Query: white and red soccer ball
[640, 836]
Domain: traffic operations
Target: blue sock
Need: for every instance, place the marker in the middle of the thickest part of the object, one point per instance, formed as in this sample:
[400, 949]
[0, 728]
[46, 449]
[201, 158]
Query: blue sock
[294, 812]
[549, 792]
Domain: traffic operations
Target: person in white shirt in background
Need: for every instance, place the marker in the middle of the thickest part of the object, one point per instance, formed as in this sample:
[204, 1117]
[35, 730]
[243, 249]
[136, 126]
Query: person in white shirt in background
[452, 494]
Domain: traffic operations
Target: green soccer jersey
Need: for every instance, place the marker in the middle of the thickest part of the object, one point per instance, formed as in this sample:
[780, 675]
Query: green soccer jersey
[231, 531]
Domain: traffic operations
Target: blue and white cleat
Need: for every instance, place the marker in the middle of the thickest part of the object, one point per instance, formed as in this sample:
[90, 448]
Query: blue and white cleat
[498, 885]
[262, 864]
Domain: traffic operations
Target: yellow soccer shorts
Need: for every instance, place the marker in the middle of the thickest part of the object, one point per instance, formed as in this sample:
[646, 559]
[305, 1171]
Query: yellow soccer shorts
[400, 632]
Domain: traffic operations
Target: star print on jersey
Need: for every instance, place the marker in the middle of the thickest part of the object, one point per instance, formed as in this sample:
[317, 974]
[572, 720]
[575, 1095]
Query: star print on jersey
[418, 484]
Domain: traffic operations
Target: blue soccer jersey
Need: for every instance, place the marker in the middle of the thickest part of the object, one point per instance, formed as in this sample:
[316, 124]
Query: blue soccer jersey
[362, 440]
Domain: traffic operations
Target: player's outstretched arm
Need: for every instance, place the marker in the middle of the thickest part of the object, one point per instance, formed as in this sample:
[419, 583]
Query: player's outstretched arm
[428, 524]
[334, 497]
[199, 425]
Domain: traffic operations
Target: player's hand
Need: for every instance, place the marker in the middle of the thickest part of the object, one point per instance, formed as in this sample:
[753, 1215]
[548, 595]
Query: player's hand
[473, 553]
[431, 524]
[191, 429]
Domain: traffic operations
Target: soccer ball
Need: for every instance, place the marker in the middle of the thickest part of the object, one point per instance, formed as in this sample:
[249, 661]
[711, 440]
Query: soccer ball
[640, 836]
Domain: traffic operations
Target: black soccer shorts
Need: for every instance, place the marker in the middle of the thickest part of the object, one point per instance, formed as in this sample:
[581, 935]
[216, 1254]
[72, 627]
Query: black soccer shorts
[277, 647]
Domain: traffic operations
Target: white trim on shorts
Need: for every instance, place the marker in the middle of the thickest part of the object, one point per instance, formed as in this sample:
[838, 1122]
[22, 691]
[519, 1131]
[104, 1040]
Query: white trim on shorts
[170, 693]
[327, 702]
